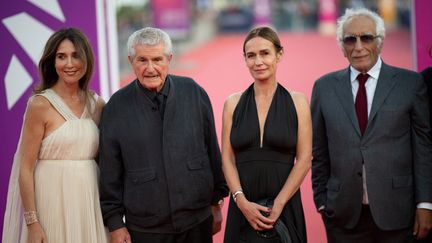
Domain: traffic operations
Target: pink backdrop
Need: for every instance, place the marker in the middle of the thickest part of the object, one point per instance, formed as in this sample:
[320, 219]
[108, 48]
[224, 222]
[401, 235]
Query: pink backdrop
[422, 36]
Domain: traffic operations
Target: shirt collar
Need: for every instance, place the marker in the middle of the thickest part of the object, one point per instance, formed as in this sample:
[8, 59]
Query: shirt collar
[165, 88]
[152, 95]
[373, 72]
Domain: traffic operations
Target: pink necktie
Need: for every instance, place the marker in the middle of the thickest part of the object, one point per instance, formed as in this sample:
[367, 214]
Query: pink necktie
[361, 102]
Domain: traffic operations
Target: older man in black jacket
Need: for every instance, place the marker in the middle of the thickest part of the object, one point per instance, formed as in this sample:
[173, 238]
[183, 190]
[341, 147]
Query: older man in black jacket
[159, 155]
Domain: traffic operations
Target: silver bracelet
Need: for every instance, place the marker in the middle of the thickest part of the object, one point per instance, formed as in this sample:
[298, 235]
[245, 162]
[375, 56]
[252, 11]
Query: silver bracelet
[236, 193]
[30, 217]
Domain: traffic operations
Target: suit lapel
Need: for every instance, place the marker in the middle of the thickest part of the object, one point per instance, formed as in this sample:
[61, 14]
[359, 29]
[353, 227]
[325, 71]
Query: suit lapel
[344, 92]
[385, 84]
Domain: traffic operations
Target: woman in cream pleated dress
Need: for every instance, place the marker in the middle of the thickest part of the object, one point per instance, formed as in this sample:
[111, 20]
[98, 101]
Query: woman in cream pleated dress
[53, 191]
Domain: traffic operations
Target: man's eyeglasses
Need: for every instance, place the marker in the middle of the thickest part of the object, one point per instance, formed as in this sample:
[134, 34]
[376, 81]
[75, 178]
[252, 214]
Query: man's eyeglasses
[350, 40]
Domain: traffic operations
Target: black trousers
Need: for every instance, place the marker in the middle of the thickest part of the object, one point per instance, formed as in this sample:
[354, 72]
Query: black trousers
[366, 231]
[202, 233]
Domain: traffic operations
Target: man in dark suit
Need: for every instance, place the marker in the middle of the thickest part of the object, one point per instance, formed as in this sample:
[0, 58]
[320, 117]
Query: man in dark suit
[372, 153]
[160, 163]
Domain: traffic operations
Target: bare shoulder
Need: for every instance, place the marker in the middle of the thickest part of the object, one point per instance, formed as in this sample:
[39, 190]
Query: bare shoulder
[301, 103]
[100, 103]
[38, 103]
[302, 107]
[38, 108]
[232, 100]
[228, 110]
[299, 98]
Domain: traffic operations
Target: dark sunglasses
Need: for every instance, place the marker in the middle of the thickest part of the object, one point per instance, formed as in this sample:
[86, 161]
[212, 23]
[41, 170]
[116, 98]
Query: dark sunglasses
[350, 40]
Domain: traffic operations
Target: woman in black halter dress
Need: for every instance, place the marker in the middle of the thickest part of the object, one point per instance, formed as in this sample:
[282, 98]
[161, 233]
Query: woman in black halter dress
[265, 129]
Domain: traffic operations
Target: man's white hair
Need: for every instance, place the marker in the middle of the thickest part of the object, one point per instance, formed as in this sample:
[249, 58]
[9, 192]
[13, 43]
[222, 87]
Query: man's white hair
[149, 36]
[351, 13]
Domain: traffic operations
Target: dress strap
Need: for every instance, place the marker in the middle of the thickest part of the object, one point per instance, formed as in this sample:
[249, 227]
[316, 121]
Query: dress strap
[58, 104]
[243, 105]
[93, 101]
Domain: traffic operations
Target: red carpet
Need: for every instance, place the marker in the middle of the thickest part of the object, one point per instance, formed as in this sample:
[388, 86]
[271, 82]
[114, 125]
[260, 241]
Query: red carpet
[219, 67]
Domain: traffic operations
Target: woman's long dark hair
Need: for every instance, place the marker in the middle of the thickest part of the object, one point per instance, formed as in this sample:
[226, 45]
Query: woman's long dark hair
[47, 71]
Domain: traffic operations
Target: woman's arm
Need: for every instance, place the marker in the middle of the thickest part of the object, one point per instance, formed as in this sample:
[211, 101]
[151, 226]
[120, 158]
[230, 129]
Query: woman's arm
[303, 155]
[32, 135]
[228, 158]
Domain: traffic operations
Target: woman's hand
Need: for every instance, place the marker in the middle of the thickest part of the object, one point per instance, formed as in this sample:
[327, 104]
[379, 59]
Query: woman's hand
[36, 233]
[252, 213]
[276, 210]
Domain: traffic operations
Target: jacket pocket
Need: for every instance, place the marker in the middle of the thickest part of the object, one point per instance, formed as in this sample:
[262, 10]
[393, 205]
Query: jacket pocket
[141, 192]
[196, 164]
[139, 177]
[199, 180]
[333, 186]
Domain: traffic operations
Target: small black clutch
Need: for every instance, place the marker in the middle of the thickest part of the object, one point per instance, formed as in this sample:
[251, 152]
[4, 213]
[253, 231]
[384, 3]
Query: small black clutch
[279, 229]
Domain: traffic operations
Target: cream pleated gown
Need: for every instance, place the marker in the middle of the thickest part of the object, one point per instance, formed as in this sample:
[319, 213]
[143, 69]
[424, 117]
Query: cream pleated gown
[66, 179]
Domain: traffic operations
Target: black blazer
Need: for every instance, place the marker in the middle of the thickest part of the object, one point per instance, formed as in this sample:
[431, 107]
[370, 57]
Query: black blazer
[152, 190]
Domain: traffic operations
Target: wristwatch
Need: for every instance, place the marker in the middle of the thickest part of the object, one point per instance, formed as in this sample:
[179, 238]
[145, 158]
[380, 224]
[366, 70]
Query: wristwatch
[220, 203]
[321, 209]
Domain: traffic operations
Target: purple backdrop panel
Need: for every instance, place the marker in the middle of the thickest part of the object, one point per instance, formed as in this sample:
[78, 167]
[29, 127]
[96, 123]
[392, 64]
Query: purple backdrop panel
[327, 11]
[172, 16]
[262, 12]
[423, 32]
[25, 26]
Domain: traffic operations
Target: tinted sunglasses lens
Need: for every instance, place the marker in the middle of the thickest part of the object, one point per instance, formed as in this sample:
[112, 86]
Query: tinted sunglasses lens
[367, 38]
[349, 40]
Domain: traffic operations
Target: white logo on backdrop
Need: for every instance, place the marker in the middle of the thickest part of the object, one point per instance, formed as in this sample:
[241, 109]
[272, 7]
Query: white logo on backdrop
[31, 35]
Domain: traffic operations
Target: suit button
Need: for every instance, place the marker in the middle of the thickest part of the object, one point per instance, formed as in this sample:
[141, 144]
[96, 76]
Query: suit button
[154, 108]
[359, 174]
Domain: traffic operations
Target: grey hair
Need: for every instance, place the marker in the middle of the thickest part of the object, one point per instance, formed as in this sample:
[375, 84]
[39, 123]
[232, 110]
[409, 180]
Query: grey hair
[351, 13]
[149, 36]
